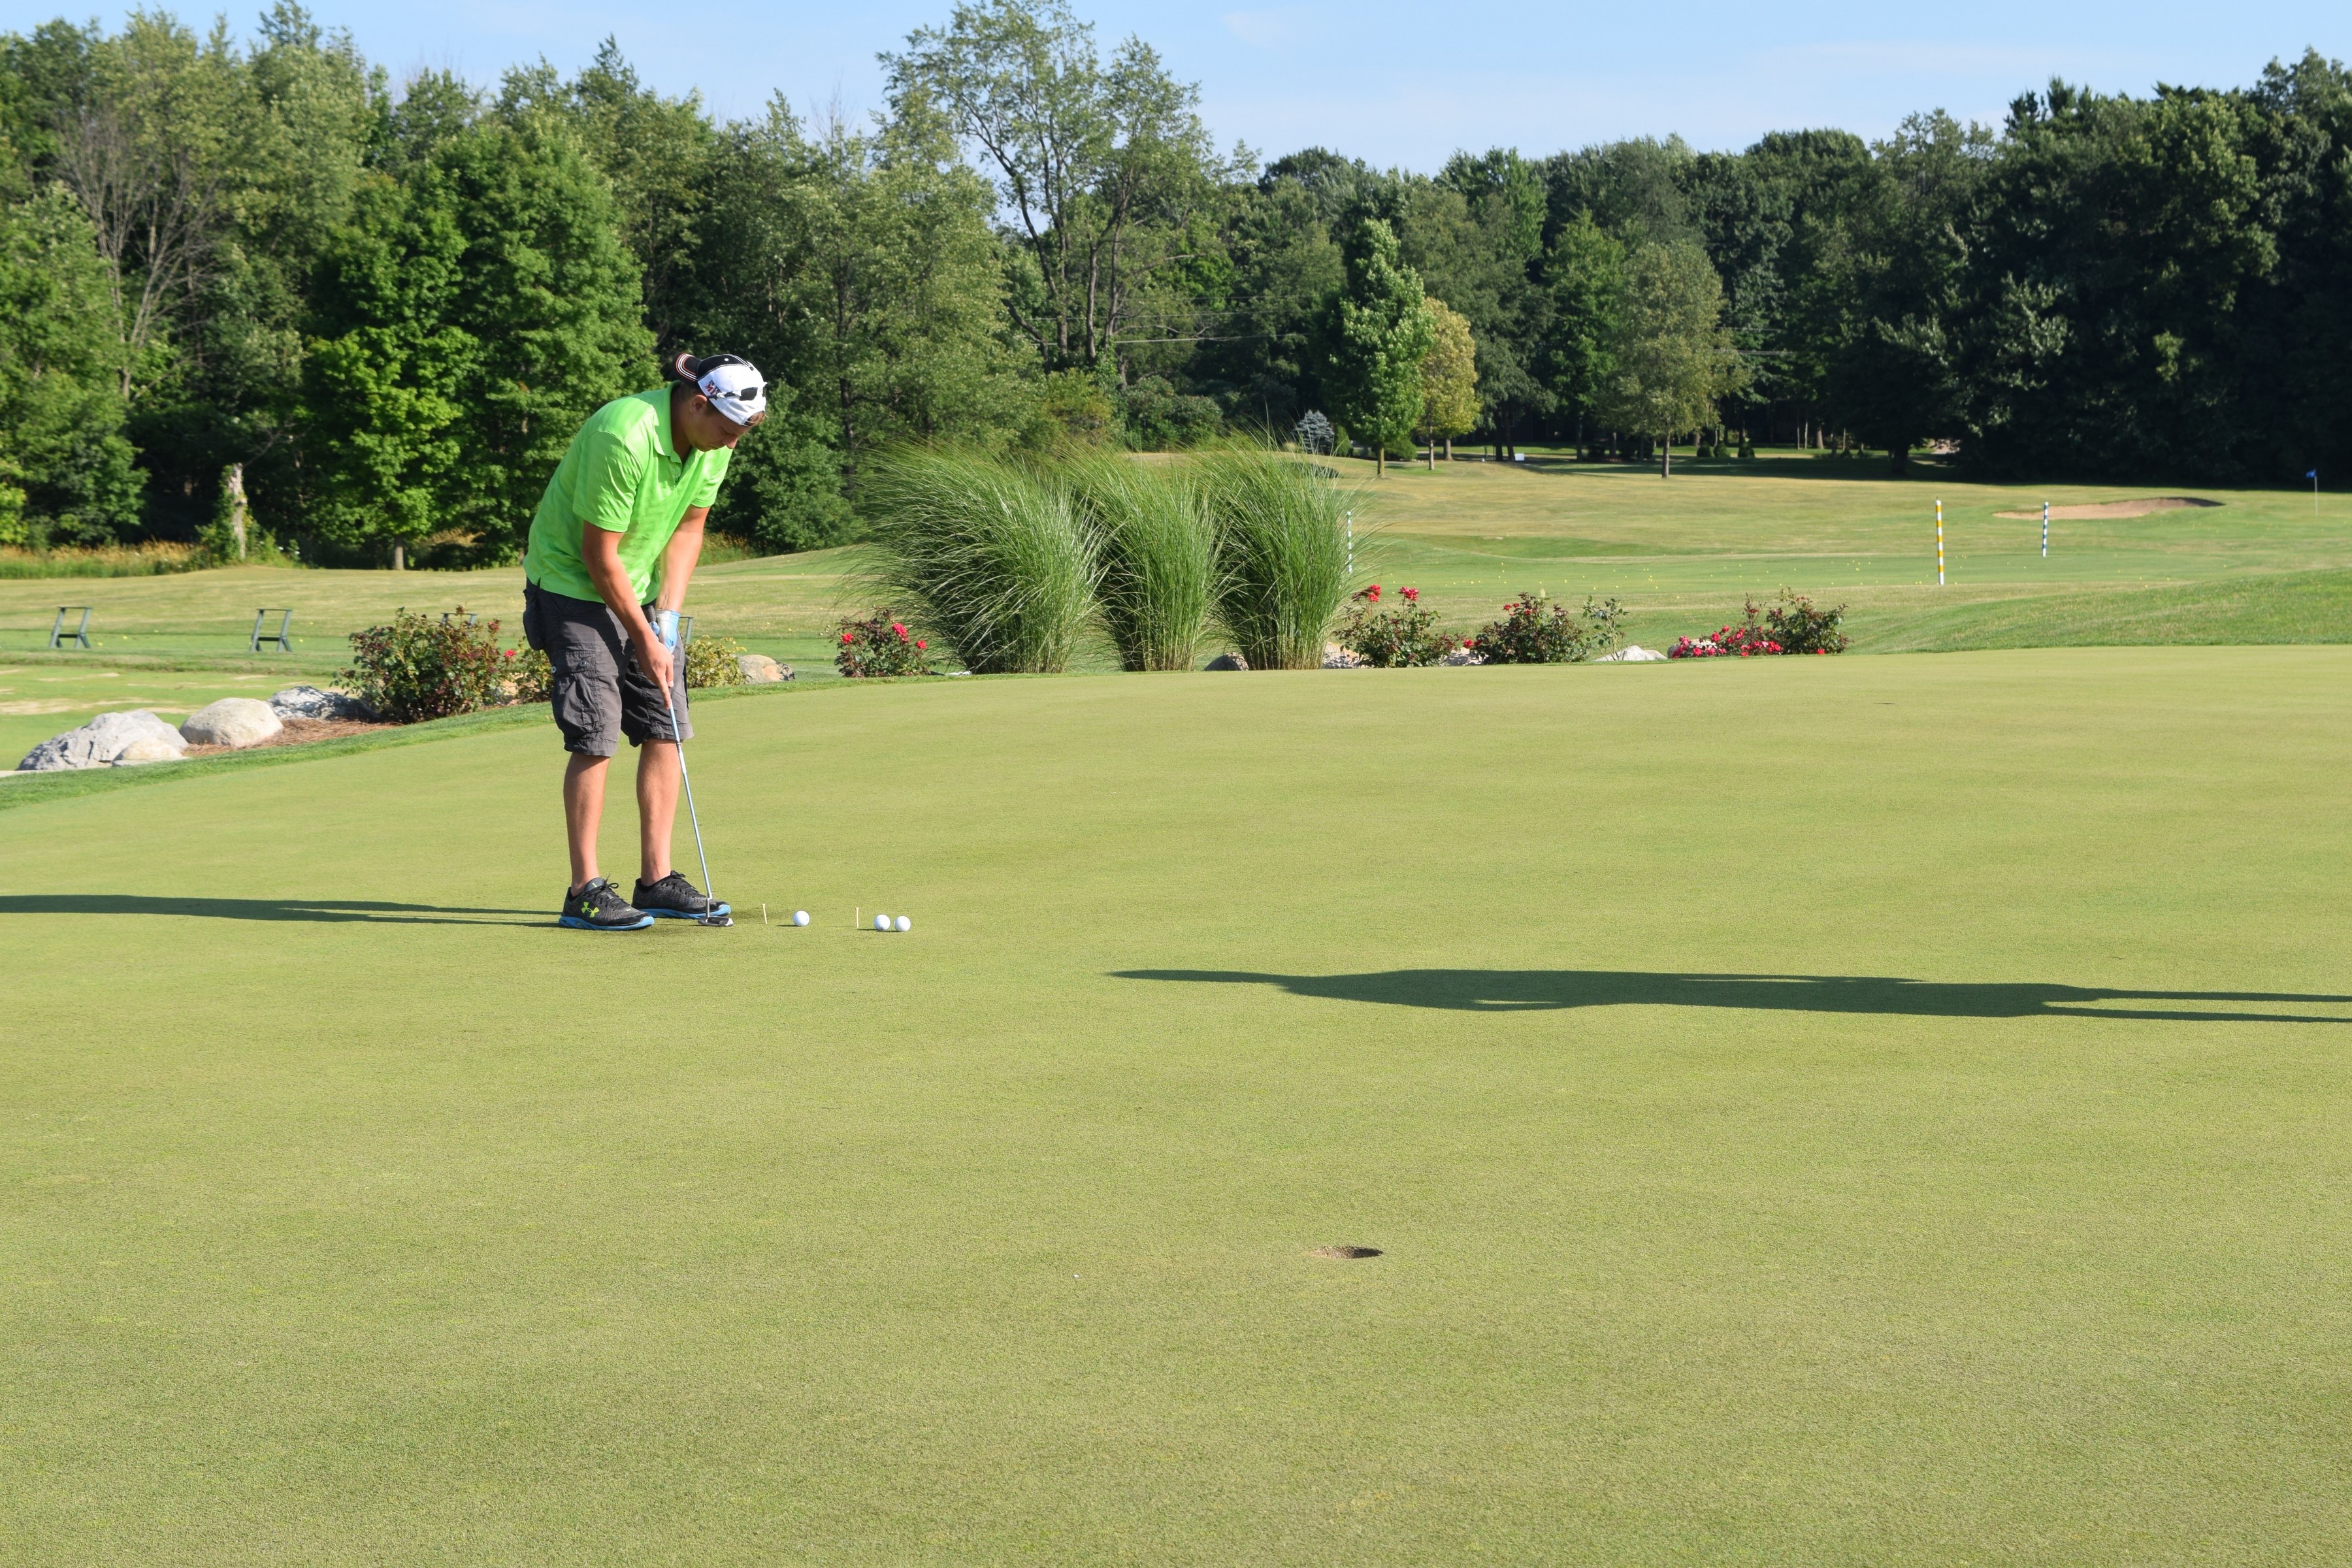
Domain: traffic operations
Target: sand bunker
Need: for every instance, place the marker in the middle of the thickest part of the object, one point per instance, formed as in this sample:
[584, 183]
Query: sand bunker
[2117, 508]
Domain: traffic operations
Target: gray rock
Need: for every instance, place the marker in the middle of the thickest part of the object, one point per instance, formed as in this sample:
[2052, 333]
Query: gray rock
[1631, 653]
[232, 722]
[316, 702]
[1228, 661]
[760, 669]
[1462, 656]
[99, 742]
[1338, 658]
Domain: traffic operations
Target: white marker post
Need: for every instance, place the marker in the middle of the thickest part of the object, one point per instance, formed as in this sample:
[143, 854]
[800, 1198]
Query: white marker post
[2045, 530]
[1939, 545]
[1351, 544]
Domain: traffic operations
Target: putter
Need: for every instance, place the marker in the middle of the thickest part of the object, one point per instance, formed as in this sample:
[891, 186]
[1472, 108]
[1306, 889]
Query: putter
[713, 918]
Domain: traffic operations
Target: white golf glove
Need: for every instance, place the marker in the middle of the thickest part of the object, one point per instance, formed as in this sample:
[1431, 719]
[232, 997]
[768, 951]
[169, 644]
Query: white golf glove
[664, 624]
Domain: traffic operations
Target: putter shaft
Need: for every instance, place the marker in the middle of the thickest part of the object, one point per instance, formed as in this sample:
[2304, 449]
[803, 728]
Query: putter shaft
[686, 777]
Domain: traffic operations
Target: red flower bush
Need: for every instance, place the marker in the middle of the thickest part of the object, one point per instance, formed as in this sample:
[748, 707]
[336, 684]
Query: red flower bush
[1404, 636]
[1536, 630]
[1793, 626]
[880, 646]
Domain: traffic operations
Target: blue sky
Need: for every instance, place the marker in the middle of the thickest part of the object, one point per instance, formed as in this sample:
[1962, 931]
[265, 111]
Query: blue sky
[1377, 79]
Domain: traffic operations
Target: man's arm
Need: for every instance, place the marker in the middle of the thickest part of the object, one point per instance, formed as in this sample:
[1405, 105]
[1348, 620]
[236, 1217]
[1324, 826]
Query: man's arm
[678, 561]
[600, 551]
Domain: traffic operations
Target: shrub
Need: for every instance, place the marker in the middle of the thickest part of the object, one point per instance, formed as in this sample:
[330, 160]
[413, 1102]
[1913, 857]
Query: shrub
[1155, 417]
[1798, 627]
[1158, 556]
[1316, 435]
[1743, 641]
[710, 661]
[1535, 630]
[1793, 626]
[998, 561]
[1400, 635]
[879, 646]
[1282, 554]
[418, 668]
[530, 674]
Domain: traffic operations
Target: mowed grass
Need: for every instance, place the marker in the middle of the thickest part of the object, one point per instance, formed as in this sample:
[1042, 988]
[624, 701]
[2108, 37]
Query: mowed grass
[175, 644]
[1683, 552]
[1825, 1112]
[2264, 566]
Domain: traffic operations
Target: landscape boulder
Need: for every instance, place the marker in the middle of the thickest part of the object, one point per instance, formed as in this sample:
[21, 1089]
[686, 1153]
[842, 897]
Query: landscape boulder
[316, 702]
[1462, 656]
[1228, 661]
[760, 669]
[1632, 653]
[1338, 658]
[232, 722]
[151, 748]
[99, 742]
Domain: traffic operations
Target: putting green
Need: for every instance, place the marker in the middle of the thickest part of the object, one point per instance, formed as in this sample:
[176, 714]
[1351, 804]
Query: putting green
[1824, 1111]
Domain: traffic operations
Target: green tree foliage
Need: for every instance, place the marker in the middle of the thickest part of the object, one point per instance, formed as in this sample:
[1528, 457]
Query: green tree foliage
[860, 270]
[67, 473]
[388, 309]
[656, 151]
[1104, 165]
[474, 314]
[1670, 355]
[1379, 331]
[1585, 273]
[1449, 376]
[2117, 241]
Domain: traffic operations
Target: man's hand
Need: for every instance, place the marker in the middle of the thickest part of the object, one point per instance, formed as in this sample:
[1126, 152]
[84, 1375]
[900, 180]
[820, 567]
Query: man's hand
[655, 659]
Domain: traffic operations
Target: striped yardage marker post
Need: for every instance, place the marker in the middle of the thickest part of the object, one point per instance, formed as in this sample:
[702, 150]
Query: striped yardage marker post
[2045, 530]
[1939, 545]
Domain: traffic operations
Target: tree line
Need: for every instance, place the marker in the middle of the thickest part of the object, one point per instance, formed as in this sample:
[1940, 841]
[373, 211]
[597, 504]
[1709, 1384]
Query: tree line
[254, 278]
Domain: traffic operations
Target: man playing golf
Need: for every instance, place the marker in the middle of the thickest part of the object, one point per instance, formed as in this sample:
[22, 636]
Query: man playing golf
[623, 514]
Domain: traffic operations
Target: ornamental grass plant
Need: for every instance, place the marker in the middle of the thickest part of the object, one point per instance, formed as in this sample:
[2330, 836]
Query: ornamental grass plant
[1000, 563]
[1282, 554]
[1159, 556]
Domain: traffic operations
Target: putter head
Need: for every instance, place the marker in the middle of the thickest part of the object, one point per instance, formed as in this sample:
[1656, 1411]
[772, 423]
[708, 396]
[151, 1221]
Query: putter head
[714, 919]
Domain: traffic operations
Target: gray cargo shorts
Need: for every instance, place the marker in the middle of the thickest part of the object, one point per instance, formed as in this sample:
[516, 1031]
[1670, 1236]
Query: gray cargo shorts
[600, 694]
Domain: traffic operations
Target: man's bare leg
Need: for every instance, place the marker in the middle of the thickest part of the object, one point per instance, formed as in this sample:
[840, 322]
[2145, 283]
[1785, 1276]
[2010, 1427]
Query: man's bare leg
[656, 806]
[583, 814]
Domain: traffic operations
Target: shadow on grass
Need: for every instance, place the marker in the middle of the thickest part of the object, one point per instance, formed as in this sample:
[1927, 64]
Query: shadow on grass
[1541, 990]
[326, 910]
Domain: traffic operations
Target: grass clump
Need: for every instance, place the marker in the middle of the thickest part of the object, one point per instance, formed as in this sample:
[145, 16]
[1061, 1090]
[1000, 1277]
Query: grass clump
[997, 560]
[1282, 554]
[1158, 553]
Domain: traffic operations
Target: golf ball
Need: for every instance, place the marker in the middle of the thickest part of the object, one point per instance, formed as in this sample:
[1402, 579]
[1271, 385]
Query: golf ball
[903, 923]
[800, 917]
[881, 922]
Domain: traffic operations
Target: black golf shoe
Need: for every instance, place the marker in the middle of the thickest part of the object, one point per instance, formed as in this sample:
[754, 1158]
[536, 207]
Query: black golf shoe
[675, 898]
[597, 906]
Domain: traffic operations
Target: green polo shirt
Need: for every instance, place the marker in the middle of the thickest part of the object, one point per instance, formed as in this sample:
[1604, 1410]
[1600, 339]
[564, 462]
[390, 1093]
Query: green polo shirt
[622, 474]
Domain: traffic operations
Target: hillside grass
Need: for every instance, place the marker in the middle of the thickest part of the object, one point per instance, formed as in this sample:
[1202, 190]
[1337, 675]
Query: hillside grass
[1837, 1111]
[1683, 554]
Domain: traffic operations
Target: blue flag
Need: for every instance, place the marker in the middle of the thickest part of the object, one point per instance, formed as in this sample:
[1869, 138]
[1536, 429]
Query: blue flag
[2312, 475]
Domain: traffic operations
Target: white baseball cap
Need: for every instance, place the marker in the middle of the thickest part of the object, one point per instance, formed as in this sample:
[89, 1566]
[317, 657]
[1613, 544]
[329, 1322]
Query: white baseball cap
[731, 382]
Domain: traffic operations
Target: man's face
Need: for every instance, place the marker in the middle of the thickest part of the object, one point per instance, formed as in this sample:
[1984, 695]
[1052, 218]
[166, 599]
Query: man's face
[706, 429]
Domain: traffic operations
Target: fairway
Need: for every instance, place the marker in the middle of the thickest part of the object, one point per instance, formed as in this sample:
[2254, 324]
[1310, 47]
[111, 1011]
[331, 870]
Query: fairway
[2264, 566]
[1822, 1111]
